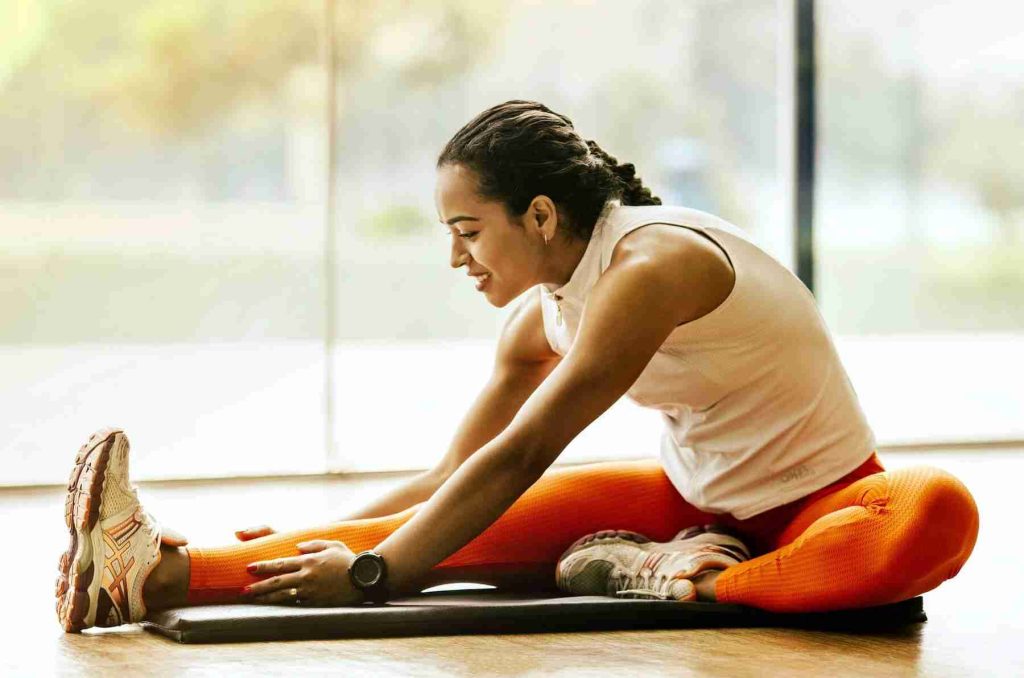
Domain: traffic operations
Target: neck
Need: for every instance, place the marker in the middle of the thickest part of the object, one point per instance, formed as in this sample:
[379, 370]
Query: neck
[563, 261]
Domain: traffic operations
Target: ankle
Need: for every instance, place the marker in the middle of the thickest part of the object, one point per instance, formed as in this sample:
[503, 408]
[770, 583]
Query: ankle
[167, 585]
[705, 585]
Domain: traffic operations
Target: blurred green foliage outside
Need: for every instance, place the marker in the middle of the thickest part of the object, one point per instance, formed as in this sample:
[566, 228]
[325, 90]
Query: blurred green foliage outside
[194, 103]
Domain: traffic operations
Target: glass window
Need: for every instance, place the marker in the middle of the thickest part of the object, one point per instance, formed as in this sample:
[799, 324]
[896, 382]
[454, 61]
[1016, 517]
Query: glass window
[920, 213]
[162, 214]
[685, 91]
[161, 233]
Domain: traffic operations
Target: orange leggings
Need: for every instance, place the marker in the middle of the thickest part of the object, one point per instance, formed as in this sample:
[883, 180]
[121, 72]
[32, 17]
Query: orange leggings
[870, 538]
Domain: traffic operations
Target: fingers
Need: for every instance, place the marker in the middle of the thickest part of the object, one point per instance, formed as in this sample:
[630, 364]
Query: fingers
[265, 568]
[283, 597]
[170, 537]
[315, 545]
[274, 588]
[253, 532]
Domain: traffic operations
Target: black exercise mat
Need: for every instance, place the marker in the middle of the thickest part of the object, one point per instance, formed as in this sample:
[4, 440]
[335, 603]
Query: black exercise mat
[492, 611]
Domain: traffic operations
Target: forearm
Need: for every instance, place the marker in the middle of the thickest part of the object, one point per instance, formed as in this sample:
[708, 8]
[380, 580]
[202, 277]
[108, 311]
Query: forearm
[415, 490]
[472, 498]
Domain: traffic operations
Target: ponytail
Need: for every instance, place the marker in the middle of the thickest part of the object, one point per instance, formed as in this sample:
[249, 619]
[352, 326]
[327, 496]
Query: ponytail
[633, 191]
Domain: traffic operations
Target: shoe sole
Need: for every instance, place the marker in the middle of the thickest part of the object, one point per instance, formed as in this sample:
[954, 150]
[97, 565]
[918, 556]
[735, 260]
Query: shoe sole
[78, 582]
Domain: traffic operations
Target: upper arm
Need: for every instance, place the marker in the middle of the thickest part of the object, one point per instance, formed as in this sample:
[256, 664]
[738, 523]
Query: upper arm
[523, 344]
[523, 360]
[632, 308]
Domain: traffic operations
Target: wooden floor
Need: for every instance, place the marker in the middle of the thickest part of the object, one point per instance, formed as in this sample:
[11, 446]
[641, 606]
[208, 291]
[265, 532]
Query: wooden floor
[975, 627]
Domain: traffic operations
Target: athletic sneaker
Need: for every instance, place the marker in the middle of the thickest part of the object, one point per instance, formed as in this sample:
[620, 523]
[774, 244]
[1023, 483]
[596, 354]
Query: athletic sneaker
[114, 543]
[629, 565]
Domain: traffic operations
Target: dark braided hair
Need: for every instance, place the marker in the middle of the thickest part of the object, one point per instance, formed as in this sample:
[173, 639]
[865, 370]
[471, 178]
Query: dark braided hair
[521, 149]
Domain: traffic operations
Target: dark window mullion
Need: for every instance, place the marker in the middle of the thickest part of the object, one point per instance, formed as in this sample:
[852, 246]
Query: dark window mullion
[805, 74]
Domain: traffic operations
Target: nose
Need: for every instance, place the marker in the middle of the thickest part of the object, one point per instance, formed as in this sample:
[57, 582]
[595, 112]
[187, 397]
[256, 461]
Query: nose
[458, 256]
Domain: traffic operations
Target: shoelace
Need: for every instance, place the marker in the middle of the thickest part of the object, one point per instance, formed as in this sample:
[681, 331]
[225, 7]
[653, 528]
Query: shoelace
[146, 518]
[642, 586]
[152, 526]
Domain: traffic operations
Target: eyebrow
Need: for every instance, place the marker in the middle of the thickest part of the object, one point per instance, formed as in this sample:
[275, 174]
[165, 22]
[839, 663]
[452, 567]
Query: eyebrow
[455, 220]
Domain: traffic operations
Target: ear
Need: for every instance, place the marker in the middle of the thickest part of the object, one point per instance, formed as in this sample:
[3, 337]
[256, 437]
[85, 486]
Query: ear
[542, 216]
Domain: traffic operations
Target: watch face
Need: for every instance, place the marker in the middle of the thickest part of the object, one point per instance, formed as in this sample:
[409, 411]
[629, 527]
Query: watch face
[366, 571]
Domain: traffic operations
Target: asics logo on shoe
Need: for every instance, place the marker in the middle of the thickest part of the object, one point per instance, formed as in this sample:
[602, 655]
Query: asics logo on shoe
[118, 565]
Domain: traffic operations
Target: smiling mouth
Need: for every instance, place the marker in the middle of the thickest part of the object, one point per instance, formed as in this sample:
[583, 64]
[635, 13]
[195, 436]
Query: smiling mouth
[481, 280]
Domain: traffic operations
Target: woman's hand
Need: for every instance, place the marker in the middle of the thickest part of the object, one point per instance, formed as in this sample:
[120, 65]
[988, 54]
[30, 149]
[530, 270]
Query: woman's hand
[254, 532]
[318, 578]
[169, 537]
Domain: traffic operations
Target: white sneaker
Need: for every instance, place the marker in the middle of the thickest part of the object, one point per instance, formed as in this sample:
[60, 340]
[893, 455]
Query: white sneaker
[629, 565]
[114, 543]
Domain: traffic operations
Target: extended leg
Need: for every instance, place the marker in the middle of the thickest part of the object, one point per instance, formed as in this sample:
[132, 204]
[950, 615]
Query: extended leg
[521, 547]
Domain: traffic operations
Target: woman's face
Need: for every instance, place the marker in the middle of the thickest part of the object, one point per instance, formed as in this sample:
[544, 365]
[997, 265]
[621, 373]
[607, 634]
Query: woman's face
[512, 254]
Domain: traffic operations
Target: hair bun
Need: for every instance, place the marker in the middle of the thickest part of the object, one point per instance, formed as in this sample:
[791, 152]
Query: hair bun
[627, 171]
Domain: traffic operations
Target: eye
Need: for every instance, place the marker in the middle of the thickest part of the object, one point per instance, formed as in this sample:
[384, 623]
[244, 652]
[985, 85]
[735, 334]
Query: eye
[468, 235]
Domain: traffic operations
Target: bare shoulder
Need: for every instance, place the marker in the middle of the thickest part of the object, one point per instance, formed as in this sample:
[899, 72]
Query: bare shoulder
[698, 269]
[523, 342]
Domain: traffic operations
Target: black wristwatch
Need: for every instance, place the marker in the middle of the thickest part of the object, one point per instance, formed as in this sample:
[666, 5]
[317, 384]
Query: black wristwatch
[369, 573]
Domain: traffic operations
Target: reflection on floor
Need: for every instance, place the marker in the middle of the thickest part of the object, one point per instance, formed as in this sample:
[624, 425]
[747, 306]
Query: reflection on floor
[975, 620]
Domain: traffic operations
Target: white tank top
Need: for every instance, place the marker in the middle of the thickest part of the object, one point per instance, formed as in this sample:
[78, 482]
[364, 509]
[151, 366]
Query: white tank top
[758, 410]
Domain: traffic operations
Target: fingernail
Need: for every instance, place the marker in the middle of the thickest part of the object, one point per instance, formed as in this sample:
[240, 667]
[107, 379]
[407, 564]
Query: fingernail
[246, 591]
[251, 569]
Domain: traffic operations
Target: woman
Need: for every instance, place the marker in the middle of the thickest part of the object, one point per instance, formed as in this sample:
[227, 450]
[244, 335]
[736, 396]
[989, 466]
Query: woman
[765, 450]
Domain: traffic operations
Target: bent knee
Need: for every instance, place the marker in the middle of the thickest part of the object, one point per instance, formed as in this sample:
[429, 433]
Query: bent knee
[938, 514]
